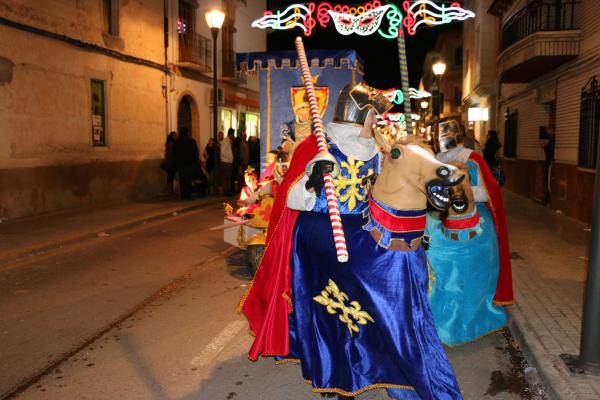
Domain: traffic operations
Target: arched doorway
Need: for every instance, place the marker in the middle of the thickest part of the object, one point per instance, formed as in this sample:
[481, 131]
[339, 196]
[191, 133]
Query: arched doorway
[184, 116]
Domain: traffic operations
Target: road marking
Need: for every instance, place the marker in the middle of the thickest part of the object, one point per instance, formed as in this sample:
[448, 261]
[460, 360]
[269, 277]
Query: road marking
[218, 343]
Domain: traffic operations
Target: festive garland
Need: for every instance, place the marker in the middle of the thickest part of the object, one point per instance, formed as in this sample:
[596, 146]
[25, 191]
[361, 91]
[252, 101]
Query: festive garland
[364, 19]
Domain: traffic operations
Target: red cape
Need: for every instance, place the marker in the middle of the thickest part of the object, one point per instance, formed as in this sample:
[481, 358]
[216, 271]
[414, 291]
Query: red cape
[267, 303]
[504, 289]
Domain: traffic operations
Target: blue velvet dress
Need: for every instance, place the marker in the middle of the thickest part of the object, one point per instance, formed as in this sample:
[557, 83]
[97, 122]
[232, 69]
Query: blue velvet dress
[464, 274]
[365, 324]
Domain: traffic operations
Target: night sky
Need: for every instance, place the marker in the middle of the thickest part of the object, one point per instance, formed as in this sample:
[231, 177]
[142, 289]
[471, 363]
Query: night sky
[380, 55]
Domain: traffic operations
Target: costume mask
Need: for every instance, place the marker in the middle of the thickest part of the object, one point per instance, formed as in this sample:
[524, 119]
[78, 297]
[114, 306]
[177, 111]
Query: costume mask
[364, 24]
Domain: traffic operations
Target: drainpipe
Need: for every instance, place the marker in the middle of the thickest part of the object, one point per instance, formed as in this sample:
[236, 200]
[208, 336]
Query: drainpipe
[165, 86]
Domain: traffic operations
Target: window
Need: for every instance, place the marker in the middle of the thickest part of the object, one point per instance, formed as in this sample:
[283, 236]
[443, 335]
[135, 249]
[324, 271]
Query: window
[589, 123]
[110, 13]
[98, 114]
[458, 57]
[457, 97]
[511, 119]
[252, 124]
[186, 24]
[227, 120]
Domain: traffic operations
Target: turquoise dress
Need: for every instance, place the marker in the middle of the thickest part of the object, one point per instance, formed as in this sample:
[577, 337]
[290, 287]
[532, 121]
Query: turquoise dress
[463, 271]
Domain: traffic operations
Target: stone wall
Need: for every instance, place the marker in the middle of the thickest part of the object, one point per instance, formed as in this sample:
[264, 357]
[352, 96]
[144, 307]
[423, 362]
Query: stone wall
[48, 61]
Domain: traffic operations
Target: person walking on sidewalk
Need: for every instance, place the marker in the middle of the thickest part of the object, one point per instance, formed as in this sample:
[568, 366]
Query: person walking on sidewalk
[187, 157]
[168, 164]
[549, 158]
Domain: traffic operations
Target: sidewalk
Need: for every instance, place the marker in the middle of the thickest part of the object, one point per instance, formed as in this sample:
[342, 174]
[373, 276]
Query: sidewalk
[34, 235]
[549, 263]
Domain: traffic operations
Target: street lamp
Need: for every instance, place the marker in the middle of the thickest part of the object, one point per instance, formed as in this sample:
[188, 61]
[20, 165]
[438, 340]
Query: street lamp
[424, 104]
[214, 20]
[438, 70]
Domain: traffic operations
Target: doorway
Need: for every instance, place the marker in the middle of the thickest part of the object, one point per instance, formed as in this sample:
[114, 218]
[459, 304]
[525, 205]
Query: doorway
[184, 117]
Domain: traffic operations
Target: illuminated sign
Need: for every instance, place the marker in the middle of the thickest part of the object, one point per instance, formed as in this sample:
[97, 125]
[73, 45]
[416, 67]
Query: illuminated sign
[478, 114]
[429, 13]
[365, 19]
[418, 94]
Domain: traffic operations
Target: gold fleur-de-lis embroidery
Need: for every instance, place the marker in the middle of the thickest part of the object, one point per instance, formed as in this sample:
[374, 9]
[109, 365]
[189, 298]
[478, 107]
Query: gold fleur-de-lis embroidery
[350, 315]
[351, 182]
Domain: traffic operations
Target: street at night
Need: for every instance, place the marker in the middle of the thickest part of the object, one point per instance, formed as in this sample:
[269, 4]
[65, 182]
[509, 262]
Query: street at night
[274, 199]
[150, 313]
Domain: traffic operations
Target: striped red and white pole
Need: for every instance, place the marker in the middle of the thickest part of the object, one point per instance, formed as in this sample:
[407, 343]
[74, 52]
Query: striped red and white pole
[319, 131]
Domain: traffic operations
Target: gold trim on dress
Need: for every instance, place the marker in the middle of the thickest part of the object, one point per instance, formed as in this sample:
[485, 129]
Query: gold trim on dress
[374, 386]
[288, 361]
[288, 299]
[504, 303]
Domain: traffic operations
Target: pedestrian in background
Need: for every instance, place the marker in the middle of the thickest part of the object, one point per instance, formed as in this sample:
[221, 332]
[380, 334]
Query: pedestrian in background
[244, 150]
[549, 146]
[210, 161]
[168, 163]
[254, 153]
[492, 145]
[470, 142]
[226, 167]
[187, 159]
[237, 164]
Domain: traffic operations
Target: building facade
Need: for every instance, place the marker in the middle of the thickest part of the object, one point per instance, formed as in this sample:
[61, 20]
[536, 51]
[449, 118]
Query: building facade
[547, 67]
[446, 90]
[89, 90]
[479, 78]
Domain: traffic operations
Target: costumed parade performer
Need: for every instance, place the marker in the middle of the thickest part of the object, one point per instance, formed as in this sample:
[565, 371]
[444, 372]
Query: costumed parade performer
[295, 131]
[468, 255]
[358, 325]
[277, 166]
[249, 195]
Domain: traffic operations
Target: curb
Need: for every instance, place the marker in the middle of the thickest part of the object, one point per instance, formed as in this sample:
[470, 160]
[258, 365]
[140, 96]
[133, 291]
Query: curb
[550, 367]
[19, 254]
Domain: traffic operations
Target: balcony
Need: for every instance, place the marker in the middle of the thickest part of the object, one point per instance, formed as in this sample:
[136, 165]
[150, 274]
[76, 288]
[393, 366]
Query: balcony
[538, 38]
[229, 71]
[194, 52]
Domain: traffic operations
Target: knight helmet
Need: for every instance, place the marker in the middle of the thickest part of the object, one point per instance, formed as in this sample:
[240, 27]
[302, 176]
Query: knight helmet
[449, 131]
[355, 101]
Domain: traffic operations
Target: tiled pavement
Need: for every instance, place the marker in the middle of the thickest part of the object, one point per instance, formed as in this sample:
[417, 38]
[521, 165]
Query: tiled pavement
[549, 269]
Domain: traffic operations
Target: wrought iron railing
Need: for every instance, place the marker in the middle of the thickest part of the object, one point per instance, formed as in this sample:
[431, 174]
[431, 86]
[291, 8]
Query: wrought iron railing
[540, 16]
[195, 49]
[229, 70]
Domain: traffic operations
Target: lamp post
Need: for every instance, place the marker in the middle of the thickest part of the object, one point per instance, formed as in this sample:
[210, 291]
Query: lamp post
[214, 19]
[438, 70]
[424, 104]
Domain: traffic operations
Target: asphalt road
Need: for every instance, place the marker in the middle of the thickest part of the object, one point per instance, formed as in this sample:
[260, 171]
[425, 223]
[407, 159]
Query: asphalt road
[150, 314]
